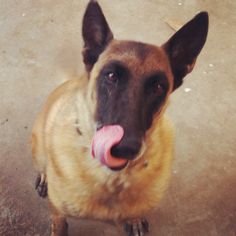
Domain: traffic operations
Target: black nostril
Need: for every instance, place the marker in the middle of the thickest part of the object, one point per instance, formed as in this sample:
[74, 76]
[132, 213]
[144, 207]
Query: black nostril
[126, 149]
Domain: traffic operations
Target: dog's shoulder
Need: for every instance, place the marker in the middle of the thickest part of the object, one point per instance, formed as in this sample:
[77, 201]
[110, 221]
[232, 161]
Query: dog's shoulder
[60, 97]
[68, 90]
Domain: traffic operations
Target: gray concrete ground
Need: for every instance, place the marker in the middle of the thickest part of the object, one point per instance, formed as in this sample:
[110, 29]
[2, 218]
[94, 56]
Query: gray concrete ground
[40, 45]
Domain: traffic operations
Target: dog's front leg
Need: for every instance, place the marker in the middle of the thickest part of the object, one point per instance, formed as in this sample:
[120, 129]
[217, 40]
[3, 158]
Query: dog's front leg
[59, 226]
[137, 227]
[41, 185]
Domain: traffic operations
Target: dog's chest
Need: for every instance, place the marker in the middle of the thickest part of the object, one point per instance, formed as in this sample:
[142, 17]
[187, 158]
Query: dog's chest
[108, 200]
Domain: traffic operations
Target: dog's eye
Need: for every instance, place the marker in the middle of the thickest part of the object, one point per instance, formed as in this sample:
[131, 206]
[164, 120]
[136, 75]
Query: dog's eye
[158, 89]
[111, 77]
[155, 87]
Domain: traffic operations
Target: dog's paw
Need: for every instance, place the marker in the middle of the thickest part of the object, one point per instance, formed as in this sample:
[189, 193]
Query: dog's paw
[41, 185]
[137, 227]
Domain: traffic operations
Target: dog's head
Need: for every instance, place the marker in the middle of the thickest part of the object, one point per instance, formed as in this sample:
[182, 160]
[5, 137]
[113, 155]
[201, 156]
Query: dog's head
[132, 80]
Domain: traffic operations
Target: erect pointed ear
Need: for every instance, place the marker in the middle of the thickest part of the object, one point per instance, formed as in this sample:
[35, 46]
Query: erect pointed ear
[96, 34]
[185, 45]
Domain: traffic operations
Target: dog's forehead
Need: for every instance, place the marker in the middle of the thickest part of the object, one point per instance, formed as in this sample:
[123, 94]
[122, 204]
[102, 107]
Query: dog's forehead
[139, 57]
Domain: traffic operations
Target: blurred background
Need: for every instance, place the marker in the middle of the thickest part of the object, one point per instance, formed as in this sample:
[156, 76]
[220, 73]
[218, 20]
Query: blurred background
[40, 47]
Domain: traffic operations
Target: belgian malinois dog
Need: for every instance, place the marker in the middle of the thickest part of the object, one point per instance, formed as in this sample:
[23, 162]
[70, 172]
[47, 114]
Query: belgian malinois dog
[102, 144]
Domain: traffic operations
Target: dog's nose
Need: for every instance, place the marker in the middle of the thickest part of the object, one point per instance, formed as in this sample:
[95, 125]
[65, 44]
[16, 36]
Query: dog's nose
[127, 148]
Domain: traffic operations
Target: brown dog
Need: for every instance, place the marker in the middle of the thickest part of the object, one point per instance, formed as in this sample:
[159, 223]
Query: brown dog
[101, 144]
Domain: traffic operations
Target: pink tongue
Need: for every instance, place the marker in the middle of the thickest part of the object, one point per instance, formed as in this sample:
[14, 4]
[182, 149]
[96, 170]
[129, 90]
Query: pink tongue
[102, 143]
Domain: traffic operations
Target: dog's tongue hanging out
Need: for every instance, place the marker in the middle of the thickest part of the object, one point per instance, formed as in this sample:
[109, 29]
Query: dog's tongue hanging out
[102, 143]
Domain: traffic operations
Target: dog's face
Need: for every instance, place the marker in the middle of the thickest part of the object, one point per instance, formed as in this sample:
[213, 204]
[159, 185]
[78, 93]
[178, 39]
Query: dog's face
[133, 80]
[133, 83]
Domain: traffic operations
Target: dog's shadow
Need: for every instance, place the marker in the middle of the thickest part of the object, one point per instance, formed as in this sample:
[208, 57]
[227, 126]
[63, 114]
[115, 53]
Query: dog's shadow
[108, 228]
[91, 227]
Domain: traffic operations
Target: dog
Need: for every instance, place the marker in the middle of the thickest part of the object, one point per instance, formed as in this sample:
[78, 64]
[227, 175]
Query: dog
[102, 144]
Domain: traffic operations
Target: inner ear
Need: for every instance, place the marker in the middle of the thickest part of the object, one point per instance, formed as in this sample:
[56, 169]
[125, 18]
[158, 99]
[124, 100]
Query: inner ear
[185, 45]
[96, 34]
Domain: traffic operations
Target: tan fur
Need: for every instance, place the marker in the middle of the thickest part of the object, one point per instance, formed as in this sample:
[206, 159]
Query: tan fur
[79, 185]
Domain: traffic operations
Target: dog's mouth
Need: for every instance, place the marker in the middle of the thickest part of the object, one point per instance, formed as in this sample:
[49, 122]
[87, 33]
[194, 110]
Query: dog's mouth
[103, 141]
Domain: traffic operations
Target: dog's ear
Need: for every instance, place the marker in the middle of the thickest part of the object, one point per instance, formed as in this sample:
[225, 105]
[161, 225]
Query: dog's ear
[185, 45]
[96, 34]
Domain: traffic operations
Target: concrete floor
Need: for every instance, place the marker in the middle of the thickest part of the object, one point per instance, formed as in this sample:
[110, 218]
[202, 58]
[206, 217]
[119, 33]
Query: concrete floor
[40, 45]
